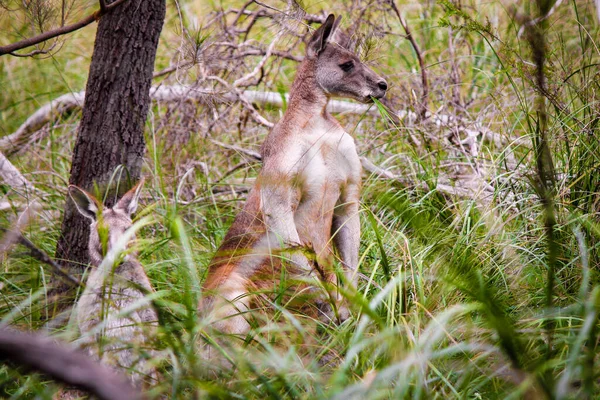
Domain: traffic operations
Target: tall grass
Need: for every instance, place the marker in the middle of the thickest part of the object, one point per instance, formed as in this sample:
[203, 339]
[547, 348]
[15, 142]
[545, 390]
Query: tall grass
[485, 295]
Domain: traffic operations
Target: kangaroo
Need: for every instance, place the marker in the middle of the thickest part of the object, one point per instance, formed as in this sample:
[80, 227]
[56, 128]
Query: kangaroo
[112, 289]
[307, 193]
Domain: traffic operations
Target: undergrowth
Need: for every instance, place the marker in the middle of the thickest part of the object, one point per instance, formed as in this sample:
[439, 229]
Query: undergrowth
[453, 296]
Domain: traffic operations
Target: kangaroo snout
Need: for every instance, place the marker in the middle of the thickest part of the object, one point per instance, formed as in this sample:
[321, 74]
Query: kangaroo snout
[382, 87]
[377, 87]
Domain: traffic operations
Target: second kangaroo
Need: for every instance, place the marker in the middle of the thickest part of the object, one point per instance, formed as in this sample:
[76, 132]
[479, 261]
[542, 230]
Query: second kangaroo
[112, 291]
[307, 193]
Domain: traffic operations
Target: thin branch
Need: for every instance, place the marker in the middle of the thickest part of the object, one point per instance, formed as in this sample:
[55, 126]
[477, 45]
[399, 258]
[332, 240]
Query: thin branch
[103, 6]
[63, 30]
[250, 153]
[172, 69]
[425, 90]
[64, 364]
[310, 18]
[59, 106]
[243, 80]
[42, 256]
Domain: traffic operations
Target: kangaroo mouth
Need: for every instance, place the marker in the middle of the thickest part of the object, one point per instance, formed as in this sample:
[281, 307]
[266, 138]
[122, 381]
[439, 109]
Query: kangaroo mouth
[370, 98]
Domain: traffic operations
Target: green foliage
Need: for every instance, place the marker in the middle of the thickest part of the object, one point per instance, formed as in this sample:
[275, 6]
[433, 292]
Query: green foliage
[453, 298]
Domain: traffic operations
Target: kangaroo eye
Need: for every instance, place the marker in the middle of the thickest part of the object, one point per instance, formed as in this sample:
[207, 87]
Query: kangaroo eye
[347, 66]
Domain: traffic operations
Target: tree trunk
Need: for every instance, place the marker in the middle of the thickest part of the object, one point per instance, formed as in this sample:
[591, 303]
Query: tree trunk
[111, 131]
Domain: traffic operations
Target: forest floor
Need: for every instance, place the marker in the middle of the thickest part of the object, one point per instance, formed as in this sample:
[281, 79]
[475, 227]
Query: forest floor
[480, 219]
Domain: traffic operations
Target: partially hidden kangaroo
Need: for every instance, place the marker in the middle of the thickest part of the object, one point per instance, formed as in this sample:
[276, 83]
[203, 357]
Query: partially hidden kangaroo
[111, 314]
[307, 193]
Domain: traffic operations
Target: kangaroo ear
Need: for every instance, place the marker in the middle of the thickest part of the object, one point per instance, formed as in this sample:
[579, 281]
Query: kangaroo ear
[319, 39]
[129, 202]
[339, 36]
[87, 204]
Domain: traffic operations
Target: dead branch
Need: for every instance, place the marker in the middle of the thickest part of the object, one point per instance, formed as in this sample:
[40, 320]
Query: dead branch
[57, 107]
[176, 93]
[244, 79]
[42, 256]
[425, 90]
[240, 97]
[250, 153]
[64, 364]
[440, 187]
[310, 18]
[68, 102]
[12, 235]
[63, 30]
[12, 177]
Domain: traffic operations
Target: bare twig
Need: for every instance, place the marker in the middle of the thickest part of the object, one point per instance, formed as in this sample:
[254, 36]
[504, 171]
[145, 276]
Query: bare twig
[11, 48]
[42, 256]
[425, 90]
[64, 364]
[247, 105]
[250, 153]
[244, 79]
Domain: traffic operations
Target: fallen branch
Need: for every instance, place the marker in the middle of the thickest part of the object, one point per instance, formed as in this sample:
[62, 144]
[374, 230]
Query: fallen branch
[250, 153]
[12, 177]
[440, 187]
[57, 107]
[178, 93]
[71, 101]
[64, 364]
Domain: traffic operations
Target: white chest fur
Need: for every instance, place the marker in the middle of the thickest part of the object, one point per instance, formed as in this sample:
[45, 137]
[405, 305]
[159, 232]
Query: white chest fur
[327, 155]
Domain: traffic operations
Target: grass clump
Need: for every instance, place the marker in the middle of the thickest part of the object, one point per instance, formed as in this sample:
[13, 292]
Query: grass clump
[478, 273]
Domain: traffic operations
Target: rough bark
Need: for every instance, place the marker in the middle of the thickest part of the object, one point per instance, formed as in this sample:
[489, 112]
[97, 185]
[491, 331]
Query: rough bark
[116, 104]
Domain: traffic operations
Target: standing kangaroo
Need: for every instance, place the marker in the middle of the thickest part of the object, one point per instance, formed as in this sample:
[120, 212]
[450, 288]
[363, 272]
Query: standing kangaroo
[112, 288]
[307, 193]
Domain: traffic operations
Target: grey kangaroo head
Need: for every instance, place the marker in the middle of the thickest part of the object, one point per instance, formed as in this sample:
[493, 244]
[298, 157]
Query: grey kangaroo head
[108, 223]
[339, 72]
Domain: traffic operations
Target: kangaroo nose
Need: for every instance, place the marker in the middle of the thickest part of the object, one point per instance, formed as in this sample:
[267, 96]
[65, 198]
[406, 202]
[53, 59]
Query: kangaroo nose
[382, 85]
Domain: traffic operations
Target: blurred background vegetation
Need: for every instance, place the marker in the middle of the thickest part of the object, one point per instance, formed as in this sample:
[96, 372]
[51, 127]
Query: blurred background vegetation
[480, 210]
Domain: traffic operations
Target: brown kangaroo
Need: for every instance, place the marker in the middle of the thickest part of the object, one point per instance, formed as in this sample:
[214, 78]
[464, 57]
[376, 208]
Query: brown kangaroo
[112, 288]
[307, 193]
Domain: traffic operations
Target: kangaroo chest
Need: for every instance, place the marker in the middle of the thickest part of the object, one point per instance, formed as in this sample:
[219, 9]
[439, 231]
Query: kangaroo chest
[327, 163]
[327, 160]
